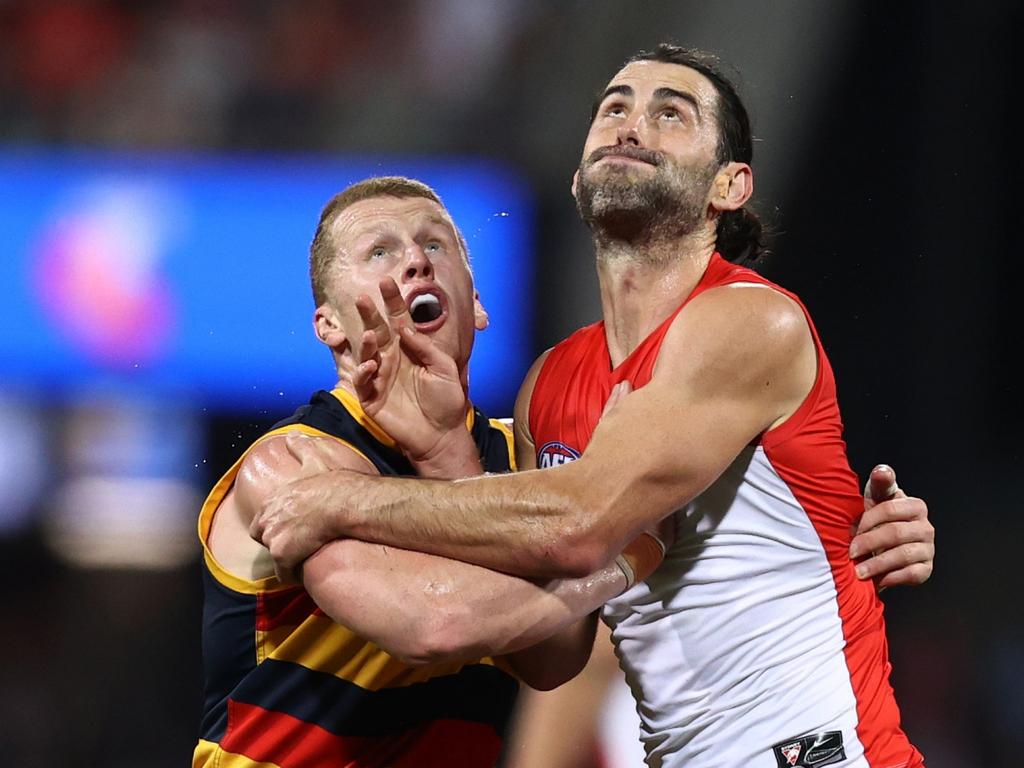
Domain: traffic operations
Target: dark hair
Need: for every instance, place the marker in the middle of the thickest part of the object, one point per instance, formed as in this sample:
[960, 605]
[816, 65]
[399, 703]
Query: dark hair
[741, 235]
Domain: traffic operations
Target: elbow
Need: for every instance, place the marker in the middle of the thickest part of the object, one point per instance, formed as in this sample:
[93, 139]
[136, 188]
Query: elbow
[443, 634]
[577, 548]
[550, 678]
[576, 541]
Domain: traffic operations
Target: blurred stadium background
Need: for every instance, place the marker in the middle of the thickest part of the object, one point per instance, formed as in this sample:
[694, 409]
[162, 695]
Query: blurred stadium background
[162, 167]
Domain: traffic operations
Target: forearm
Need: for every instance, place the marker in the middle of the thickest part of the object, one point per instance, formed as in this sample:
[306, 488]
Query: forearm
[558, 659]
[539, 524]
[425, 609]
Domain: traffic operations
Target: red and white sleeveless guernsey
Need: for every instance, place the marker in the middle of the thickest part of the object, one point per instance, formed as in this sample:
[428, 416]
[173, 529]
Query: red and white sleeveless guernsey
[754, 644]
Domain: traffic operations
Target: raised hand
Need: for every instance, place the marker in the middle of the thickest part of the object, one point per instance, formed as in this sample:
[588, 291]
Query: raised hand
[894, 533]
[619, 391]
[405, 383]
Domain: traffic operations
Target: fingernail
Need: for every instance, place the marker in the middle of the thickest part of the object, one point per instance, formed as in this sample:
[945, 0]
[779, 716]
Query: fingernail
[854, 551]
[862, 572]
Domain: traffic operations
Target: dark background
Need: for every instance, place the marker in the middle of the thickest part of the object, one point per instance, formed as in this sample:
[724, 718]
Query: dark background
[887, 159]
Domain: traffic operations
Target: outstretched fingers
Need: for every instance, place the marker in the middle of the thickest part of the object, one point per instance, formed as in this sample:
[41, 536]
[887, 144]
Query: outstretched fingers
[373, 323]
[421, 349]
[364, 377]
[395, 306]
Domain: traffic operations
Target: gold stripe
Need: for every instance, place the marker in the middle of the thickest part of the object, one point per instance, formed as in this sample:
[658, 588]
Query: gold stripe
[216, 496]
[322, 645]
[209, 755]
[351, 404]
[502, 427]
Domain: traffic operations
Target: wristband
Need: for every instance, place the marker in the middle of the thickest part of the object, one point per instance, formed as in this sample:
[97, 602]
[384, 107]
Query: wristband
[640, 557]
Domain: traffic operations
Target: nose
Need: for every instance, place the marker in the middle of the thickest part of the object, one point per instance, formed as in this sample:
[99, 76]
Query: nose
[634, 129]
[417, 264]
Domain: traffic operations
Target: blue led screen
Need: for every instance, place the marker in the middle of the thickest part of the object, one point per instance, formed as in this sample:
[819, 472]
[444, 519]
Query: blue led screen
[187, 275]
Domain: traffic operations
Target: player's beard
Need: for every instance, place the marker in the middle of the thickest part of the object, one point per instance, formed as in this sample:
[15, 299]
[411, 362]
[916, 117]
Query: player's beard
[624, 203]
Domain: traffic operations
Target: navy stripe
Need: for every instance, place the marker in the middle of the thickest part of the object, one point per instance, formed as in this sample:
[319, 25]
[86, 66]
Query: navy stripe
[491, 444]
[478, 693]
[325, 413]
[229, 652]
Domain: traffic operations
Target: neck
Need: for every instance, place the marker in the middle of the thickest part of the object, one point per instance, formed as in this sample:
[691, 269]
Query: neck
[642, 284]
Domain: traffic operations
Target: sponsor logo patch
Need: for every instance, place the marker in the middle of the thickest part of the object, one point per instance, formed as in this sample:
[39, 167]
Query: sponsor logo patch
[555, 454]
[810, 751]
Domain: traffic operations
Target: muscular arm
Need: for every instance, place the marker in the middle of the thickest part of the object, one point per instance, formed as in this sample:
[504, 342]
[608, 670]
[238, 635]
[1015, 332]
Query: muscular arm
[419, 607]
[739, 360]
[424, 608]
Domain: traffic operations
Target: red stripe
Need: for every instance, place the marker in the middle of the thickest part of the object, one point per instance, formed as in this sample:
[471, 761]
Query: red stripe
[287, 607]
[860, 614]
[273, 737]
[809, 454]
[448, 743]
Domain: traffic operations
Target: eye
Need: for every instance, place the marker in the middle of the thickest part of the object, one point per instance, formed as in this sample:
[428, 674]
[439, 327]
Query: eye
[670, 114]
[615, 110]
[433, 247]
[378, 253]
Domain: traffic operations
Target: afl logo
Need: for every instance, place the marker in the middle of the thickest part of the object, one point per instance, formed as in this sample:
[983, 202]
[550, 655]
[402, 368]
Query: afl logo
[555, 454]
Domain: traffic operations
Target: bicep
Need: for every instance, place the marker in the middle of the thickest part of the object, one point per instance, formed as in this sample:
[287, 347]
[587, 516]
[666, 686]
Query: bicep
[272, 464]
[717, 385]
[423, 608]
[418, 607]
[370, 589]
[267, 466]
[526, 451]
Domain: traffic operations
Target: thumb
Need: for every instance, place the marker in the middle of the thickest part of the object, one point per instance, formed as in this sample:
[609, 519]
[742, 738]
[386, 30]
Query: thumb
[881, 485]
[421, 349]
[619, 391]
[302, 448]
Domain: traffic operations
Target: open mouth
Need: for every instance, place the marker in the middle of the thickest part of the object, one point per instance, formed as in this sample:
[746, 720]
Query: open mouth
[426, 311]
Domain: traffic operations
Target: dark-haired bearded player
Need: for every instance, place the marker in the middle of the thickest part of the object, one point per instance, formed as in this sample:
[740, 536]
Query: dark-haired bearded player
[754, 644]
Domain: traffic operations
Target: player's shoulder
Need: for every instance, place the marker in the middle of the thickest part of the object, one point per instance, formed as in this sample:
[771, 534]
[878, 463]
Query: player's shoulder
[754, 313]
[273, 461]
[737, 334]
[266, 466]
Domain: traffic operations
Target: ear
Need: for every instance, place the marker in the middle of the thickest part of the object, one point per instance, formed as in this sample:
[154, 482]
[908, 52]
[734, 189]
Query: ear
[327, 327]
[575, 181]
[480, 317]
[732, 187]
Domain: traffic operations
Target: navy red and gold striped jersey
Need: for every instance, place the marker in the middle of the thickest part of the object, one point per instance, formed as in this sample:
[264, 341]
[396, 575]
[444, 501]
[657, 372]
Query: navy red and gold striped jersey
[286, 686]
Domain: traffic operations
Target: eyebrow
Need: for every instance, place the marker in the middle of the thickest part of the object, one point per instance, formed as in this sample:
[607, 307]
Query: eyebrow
[445, 224]
[672, 93]
[661, 93]
[625, 90]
